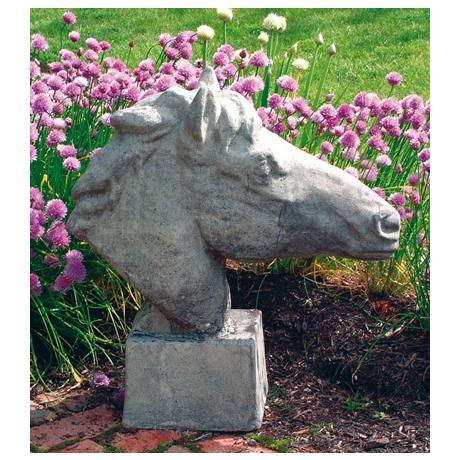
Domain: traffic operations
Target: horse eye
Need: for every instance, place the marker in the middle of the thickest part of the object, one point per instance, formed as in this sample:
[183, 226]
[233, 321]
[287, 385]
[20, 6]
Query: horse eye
[261, 172]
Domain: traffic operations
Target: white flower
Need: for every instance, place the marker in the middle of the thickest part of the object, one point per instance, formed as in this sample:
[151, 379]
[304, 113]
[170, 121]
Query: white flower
[300, 64]
[225, 14]
[275, 22]
[262, 38]
[205, 33]
[331, 50]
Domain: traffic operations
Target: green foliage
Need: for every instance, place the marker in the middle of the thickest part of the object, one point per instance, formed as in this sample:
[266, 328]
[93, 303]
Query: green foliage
[370, 41]
[355, 403]
[91, 320]
[274, 444]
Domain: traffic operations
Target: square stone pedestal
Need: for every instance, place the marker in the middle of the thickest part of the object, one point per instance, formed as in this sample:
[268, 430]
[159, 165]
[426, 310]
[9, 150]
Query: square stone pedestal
[216, 383]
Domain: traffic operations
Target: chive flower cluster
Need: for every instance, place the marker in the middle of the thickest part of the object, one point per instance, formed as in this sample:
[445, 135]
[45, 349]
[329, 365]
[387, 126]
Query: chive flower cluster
[71, 100]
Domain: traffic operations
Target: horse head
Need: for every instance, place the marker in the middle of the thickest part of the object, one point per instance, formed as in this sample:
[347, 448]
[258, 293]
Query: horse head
[191, 178]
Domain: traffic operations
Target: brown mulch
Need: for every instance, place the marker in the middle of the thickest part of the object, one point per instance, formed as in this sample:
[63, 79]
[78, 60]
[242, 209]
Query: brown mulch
[319, 395]
[322, 398]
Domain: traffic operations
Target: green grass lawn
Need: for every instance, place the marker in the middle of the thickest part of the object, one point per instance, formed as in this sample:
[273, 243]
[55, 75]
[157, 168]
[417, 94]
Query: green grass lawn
[370, 42]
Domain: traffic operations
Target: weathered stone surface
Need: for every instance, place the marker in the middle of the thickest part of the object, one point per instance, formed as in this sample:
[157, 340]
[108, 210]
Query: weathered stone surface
[216, 382]
[191, 178]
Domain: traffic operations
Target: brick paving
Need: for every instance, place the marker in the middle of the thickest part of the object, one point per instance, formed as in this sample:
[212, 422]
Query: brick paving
[62, 425]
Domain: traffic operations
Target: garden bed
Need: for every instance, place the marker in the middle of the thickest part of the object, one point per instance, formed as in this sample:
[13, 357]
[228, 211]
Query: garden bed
[318, 401]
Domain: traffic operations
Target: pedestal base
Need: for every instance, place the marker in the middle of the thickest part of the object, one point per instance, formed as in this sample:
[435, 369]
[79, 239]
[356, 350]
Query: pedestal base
[215, 383]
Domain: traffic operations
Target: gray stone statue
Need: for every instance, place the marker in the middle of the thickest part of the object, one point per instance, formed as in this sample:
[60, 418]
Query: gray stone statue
[191, 178]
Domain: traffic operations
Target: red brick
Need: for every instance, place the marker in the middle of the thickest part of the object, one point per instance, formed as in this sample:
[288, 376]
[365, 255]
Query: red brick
[178, 450]
[142, 440]
[84, 447]
[82, 425]
[229, 444]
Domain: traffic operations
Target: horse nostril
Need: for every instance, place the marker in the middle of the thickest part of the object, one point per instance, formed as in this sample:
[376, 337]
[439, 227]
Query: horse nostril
[390, 223]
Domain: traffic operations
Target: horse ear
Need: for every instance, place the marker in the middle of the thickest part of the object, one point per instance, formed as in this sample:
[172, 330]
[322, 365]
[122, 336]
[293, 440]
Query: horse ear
[203, 113]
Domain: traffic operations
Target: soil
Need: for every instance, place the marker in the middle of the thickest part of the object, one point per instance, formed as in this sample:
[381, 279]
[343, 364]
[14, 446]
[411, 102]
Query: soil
[327, 392]
[320, 396]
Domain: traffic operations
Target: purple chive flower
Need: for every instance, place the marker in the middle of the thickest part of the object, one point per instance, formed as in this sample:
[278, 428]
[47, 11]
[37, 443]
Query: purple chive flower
[37, 219]
[66, 151]
[55, 137]
[33, 153]
[327, 147]
[71, 164]
[394, 78]
[381, 193]
[287, 83]
[350, 140]
[56, 209]
[391, 105]
[352, 171]
[105, 46]
[288, 108]
[164, 39]
[93, 44]
[91, 55]
[42, 104]
[328, 111]
[62, 284]
[101, 380]
[229, 71]
[69, 18]
[301, 105]
[391, 125]
[39, 87]
[165, 82]
[228, 50]
[415, 197]
[397, 199]
[361, 127]
[322, 157]
[252, 85]
[424, 155]
[221, 59]
[316, 117]
[369, 174]
[35, 286]
[34, 69]
[39, 43]
[399, 169]
[413, 179]
[171, 53]
[412, 102]
[345, 111]
[74, 255]
[74, 36]
[376, 142]
[186, 69]
[361, 99]
[57, 235]
[259, 59]
[119, 396]
[275, 101]
[75, 271]
[384, 160]
[36, 198]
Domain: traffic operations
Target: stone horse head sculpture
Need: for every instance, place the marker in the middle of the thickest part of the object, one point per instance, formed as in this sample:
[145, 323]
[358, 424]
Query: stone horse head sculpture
[191, 178]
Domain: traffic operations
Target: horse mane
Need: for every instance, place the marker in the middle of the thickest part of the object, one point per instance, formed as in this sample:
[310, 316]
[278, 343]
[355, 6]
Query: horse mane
[150, 121]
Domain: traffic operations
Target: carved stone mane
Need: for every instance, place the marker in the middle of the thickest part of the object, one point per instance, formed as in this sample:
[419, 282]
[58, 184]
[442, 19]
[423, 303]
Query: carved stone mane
[112, 208]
